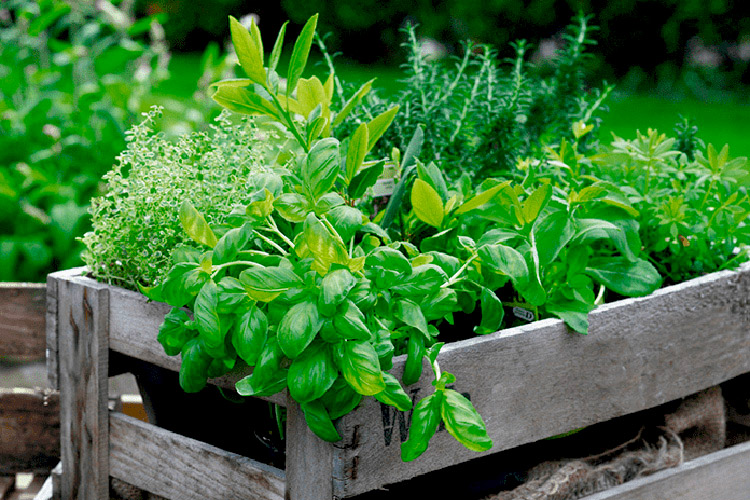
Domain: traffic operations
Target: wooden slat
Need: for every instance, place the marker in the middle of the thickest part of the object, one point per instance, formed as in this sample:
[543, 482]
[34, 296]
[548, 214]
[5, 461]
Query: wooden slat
[309, 460]
[134, 323]
[181, 468]
[82, 336]
[22, 319]
[29, 430]
[540, 380]
[724, 475]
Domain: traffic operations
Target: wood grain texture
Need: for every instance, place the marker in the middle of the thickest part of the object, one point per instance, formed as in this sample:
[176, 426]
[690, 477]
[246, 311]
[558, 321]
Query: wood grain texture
[51, 323]
[83, 355]
[309, 460]
[181, 468]
[724, 475]
[29, 430]
[541, 380]
[134, 324]
[22, 319]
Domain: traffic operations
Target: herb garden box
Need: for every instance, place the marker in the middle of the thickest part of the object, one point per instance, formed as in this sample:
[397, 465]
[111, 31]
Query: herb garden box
[528, 382]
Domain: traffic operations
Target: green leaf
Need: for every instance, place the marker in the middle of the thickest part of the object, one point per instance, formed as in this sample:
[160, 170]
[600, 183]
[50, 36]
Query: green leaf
[277, 47]
[552, 232]
[298, 327]
[249, 54]
[319, 420]
[356, 152]
[365, 179]
[432, 176]
[334, 288]
[492, 313]
[266, 283]
[231, 244]
[352, 102]
[173, 334]
[268, 377]
[632, 279]
[326, 248]
[207, 316]
[360, 367]
[250, 334]
[312, 373]
[424, 423]
[508, 261]
[195, 225]
[300, 52]
[407, 168]
[231, 295]
[244, 101]
[425, 279]
[394, 394]
[536, 202]
[345, 220]
[415, 351]
[439, 304]
[194, 367]
[349, 322]
[183, 283]
[410, 313]
[428, 207]
[482, 198]
[292, 206]
[221, 366]
[463, 422]
[340, 399]
[574, 313]
[378, 125]
[321, 167]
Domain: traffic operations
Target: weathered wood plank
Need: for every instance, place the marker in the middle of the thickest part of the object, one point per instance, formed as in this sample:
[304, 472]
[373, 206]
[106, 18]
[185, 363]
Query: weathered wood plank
[51, 323]
[83, 365]
[29, 430]
[309, 460]
[56, 477]
[181, 468]
[22, 319]
[724, 475]
[134, 323]
[540, 380]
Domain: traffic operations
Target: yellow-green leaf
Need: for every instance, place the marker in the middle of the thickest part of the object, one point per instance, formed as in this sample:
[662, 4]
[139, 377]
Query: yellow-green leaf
[353, 100]
[300, 52]
[378, 125]
[427, 204]
[482, 198]
[196, 226]
[248, 53]
[355, 155]
[276, 53]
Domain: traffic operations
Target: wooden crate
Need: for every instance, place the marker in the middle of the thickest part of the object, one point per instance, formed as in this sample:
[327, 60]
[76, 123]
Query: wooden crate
[528, 383]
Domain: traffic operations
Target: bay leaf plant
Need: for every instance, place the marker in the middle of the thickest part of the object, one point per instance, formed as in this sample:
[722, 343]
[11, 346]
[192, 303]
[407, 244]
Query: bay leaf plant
[300, 284]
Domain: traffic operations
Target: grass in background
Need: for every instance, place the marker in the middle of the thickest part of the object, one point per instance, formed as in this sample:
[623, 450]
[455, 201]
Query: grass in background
[718, 122]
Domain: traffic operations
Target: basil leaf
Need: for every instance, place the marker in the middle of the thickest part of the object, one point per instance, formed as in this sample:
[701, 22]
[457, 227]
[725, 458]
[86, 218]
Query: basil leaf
[206, 314]
[231, 244]
[231, 295]
[394, 394]
[268, 377]
[434, 177]
[340, 398]
[311, 373]
[536, 202]
[415, 351]
[326, 248]
[194, 366]
[183, 283]
[298, 328]
[320, 168]
[632, 279]
[575, 313]
[492, 313]
[439, 304]
[360, 367]
[424, 423]
[173, 333]
[266, 283]
[319, 421]
[425, 279]
[292, 206]
[349, 322]
[345, 220]
[508, 261]
[463, 422]
[250, 334]
[195, 225]
[365, 179]
[356, 151]
[552, 233]
[220, 366]
[410, 313]
[334, 288]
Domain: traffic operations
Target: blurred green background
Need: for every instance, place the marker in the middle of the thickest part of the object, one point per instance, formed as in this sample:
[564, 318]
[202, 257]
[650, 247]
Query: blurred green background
[75, 75]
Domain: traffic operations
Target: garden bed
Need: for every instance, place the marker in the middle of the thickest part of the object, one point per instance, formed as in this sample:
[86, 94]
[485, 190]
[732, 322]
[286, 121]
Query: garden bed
[529, 383]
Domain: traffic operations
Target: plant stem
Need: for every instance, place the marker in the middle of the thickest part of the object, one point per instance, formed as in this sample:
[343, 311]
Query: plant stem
[219, 267]
[276, 230]
[272, 243]
[454, 279]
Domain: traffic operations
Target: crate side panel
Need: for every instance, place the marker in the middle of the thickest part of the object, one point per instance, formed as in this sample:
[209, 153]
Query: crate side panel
[719, 476]
[181, 468]
[541, 380]
[22, 319]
